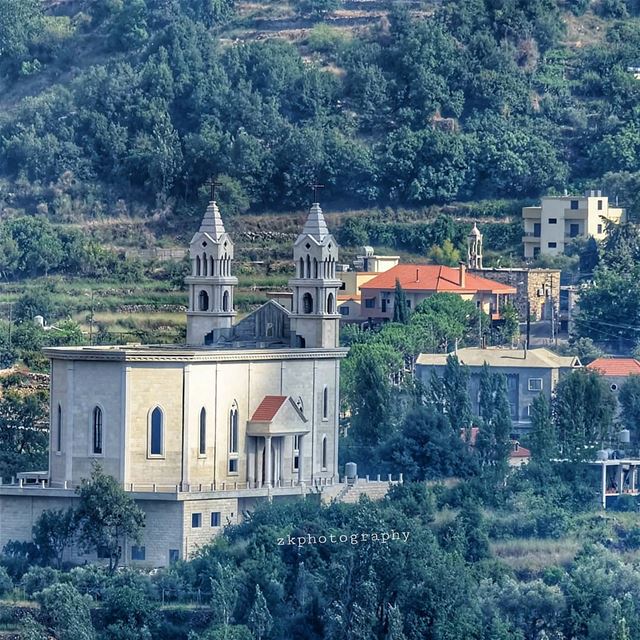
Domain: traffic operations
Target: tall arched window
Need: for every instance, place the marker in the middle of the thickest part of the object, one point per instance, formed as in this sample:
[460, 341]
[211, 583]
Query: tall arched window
[330, 304]
[315, 268]
[204, 264]
[307, 303]
[308, 267]
[301, 268]
[96, 431]
[233, 428]
[324, 453]
[59, 430]
[211, 263]
[325, 403]
[202, 446]
[198, 265]
[156, 435]
[203, 301]
[225, 301]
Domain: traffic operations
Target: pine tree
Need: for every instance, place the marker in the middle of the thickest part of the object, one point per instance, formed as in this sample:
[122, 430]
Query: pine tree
[260, 620]
[494, 440]
[394, 624]
[456, 394]
[400, 308]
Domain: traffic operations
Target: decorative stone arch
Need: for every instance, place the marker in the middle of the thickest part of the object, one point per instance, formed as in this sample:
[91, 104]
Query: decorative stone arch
[301, 274]
[198, 265]
[205, 262]
[307, 303]
[331, 303]
[203, 301]
[324, 453]
[308, 266]
[315, 268]
[225, 301]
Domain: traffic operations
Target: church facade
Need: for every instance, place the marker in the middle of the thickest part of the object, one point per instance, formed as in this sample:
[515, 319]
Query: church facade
[200, 433]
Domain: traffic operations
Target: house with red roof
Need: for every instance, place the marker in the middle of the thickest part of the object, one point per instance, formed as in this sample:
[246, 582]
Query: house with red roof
[615, 370]
[422, 281]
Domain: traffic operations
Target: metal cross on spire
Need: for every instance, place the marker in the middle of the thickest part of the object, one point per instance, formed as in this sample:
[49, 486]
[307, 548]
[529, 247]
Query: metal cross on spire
[316, 187]
[212, 185]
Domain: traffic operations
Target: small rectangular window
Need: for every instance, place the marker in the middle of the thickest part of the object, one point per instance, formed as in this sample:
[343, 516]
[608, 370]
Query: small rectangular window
[215, 518]
[553, 220]
[196, 520]
[233, 465]
[370, 303]
[344, 310]
[138, 553]
[599, 228]
[599, 205]
[535, 384]
[552, 245]
[574, 204]
[574, 230]
[174, 555]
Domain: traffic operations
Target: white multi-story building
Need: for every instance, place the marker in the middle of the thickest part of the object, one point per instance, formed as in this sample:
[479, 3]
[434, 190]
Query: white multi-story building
[549, 228]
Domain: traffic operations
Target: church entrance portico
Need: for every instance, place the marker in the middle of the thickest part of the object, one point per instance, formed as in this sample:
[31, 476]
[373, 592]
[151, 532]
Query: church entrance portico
[277, 428]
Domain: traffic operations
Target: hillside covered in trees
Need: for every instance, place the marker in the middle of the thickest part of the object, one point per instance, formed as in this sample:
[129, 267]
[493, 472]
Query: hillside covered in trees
[142, 100]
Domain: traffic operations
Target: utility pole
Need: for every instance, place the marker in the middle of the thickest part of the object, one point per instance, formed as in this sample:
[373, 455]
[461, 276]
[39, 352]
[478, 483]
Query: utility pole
[553, 313]
[528, 324]
[480, 325]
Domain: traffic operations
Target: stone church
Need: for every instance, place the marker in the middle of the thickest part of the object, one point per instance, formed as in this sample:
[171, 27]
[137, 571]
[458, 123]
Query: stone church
[200, 433]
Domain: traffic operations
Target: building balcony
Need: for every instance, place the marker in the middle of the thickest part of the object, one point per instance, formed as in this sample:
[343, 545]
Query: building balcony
[575, 214]
[532, 213]
[529, 236]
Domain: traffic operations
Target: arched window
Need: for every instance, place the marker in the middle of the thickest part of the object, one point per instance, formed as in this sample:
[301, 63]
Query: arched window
[330, 304]
[315, 268]
[233, 428]
[324, 453]
[225, 301]
[198, 265]
[211, 270]
[204, 264]
[96, 431]
[307, 303]
[202, 446]
[301, 268]
[156, 435]
[203, 301]
[59, 430]
[325, 403]
[308, 267]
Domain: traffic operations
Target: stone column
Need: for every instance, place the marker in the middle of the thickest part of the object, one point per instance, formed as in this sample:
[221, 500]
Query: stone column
[251, 462]
[267, 461]
[300, 460]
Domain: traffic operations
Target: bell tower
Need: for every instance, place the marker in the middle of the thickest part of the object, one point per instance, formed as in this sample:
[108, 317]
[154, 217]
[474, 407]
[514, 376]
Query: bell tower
[474, 248]
[315, 321]
[211, 285]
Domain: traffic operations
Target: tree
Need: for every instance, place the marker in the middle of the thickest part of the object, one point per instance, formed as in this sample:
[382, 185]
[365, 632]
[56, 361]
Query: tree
[510, 329]
[39, 247]
[400, 307]
[65, 613]
[629, 398]
[224, 594]
[128, 613]
[20, 22]
[105, 515]
[260, 620]
[394, 624]
[583, 410]
[542, 438]
[53, 533]
[455, 382]
[446, 254]
[493, 443]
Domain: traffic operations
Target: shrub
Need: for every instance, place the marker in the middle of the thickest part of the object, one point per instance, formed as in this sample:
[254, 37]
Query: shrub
[39, 578]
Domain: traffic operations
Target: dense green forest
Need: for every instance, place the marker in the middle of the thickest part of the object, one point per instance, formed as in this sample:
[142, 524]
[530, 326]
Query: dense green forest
[470, 99]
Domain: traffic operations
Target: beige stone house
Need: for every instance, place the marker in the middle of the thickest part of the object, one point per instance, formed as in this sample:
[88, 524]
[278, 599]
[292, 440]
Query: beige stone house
[199, 433]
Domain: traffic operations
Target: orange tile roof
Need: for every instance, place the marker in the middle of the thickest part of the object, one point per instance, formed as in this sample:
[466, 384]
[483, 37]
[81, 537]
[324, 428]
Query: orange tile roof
[268, 408]
[433, 277]
[618, 367]
[520, 452]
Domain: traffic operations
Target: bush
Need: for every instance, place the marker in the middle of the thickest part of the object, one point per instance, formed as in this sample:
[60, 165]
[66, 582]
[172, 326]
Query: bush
[38, 579]
[6, 584]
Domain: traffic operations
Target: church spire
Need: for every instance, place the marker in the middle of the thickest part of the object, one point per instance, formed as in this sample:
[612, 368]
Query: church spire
[316, 225]
[212, 222]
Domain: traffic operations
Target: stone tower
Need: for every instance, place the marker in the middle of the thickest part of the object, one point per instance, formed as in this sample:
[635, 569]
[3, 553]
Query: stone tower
[474, 248]
[315, 321]
[211, 285]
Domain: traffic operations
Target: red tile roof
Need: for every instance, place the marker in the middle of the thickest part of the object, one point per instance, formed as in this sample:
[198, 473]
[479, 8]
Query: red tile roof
[519, 451]
[618, 367]
[268, 408]
[433, 277]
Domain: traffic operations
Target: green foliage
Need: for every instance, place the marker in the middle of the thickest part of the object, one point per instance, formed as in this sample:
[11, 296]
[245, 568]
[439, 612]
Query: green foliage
[105, 515]
[542, 438]
[6, 583]
[260, 619]
[629, 398]
[400, 307]
[53, 533]
[447, 254]
[65, 613]
[37, 579]
[583, 410]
